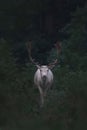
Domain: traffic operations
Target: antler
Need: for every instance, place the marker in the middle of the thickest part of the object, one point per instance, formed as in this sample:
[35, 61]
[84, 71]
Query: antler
[30, 57]
[58, 46]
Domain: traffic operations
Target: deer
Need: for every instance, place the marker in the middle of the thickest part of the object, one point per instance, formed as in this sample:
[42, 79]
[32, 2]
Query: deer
[43, 77]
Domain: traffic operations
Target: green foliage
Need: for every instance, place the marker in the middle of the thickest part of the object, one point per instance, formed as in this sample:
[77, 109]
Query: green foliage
[75, 46]
[16, 86]
[65, 105]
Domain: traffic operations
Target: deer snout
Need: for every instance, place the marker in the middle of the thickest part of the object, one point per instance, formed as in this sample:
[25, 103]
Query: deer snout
[44, 78]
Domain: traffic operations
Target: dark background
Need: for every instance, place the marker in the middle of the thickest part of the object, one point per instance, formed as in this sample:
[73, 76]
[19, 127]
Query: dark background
[21, 18]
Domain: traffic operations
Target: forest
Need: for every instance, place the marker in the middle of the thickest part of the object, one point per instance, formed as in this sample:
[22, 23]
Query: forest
[43, 23]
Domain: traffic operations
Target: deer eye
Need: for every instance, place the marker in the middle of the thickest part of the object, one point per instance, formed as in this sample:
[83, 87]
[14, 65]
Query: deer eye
[40, 70]
[47, 70]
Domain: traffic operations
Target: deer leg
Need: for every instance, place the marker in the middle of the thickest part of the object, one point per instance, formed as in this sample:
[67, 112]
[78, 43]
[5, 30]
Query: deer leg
[41, 96]
[46, 90]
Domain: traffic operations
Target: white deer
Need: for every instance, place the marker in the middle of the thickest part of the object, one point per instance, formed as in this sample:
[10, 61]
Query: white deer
[43, 77]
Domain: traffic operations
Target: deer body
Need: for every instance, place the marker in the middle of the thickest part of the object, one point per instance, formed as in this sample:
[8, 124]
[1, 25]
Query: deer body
[43, 79]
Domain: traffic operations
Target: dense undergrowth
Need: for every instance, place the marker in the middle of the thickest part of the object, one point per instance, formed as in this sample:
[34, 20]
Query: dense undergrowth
[65, 105]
